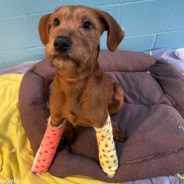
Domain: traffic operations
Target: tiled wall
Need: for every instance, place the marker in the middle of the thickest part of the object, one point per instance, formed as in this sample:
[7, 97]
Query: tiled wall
[148, 24]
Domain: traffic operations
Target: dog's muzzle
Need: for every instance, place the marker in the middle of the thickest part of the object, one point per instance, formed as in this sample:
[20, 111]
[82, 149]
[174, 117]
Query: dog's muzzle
[62, 43]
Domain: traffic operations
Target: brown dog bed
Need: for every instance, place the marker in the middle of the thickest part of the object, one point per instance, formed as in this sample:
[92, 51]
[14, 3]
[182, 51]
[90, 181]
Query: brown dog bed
[152, 118]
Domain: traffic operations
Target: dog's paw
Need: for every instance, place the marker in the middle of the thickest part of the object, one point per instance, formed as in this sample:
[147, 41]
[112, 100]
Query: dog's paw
[118, 134]
[69, 134]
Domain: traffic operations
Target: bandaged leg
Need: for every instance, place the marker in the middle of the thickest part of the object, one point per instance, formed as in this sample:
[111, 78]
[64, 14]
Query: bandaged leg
[47, 149]
[107, 152]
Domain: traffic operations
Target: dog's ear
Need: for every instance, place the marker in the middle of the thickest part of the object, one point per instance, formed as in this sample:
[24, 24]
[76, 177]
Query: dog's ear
[43, 28]
[115, 33]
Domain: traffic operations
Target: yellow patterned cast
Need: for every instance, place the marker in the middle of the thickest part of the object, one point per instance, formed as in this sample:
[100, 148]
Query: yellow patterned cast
[107, 152]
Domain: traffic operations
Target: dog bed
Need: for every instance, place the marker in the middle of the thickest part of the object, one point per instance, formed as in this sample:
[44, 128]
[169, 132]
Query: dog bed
[152, 118]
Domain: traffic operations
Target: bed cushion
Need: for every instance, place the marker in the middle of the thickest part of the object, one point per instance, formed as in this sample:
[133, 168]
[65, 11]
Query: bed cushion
[152, 118]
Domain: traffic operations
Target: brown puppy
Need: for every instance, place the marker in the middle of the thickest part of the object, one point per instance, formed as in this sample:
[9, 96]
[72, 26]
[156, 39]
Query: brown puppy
[81, 94]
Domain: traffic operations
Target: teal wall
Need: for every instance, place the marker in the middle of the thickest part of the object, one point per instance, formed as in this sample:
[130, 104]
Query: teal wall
[148, 25]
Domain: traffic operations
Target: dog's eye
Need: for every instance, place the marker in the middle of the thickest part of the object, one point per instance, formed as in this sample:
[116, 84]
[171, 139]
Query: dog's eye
[56, 22]
[86, 25]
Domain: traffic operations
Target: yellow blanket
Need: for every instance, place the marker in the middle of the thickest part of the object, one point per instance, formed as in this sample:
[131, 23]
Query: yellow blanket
[16, 156]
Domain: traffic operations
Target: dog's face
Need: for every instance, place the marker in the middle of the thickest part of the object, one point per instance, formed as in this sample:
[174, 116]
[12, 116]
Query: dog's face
[71, 35]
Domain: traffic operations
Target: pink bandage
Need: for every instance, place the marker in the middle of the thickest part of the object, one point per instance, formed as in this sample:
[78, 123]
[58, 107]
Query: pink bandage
[47, 149]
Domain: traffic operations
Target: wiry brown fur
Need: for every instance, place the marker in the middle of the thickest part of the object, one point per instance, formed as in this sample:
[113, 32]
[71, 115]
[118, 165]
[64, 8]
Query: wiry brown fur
[81, 94]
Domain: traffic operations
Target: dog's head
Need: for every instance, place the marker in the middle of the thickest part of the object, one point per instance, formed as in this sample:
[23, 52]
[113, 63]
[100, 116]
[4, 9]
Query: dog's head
[71, 35]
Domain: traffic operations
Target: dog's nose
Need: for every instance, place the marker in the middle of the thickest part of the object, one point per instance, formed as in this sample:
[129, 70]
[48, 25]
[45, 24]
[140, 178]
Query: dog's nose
[62, 43]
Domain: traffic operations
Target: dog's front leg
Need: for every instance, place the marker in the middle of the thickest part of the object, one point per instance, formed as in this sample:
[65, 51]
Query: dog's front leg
[48, 147]
[106, 146]
[52, 136]
[56, 106]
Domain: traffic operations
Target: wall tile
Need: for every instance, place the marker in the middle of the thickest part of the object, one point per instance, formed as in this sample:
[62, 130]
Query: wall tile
[137, 43]
[22, 7]
[133, 43]
[170, 40]
[147, 17]
[15, 33]
[113, 10]
[97, 2]
[34, 20]
[11, 58]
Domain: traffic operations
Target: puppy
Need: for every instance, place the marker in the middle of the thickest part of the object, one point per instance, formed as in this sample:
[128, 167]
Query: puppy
[82, 94]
